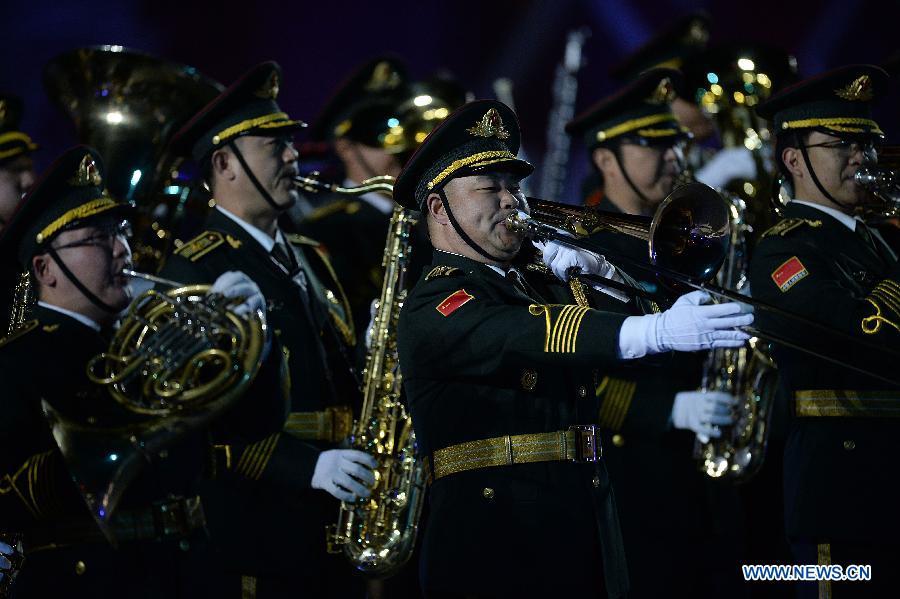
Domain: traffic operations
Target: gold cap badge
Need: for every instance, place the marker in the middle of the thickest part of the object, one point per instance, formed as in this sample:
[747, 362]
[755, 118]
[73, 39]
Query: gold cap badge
[269, 90]
[490, 125]
[664, 92]
[384, 77]
[859, 89]
[87, 175]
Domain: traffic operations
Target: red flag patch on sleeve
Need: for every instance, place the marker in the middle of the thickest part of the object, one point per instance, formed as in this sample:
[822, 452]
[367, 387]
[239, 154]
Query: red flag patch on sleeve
[454, 302]
[789, 274]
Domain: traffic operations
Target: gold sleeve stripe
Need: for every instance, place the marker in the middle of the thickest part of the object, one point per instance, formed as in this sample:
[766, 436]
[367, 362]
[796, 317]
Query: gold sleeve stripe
[558, 328]
[255, 457]
[30, 470]
[265, 455]
[565, 330]
[617, 396]
[538, 310]
[626, 394]
[885, 298]
[577, 327]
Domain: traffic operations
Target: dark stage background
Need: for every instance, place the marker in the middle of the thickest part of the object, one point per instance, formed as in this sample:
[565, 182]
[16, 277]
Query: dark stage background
[318, 43]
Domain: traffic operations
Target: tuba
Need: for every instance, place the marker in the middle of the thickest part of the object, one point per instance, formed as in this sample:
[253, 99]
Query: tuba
[128, 104]
[179, 358]
[378, 534]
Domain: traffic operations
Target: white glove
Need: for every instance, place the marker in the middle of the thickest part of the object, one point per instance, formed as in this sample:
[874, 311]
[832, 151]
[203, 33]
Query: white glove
[727, 165]
[687, 326]
[236, 284]
[345, 473]
[703, 412]
[559, 258]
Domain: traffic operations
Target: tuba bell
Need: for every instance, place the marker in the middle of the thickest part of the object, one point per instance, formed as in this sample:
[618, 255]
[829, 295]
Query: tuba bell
[179, 358]
[128, 104]
[688, 234]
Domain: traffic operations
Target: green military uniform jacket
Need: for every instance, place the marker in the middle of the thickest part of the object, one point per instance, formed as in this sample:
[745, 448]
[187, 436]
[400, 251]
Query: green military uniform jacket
[353, 234]
[46, 359]
[482, 359]
[262, 510]
[844, 435]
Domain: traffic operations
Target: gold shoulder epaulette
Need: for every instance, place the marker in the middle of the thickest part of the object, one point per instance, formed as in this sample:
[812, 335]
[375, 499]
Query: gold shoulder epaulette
[200, 245]
[442, 271]
[21, 331]
[783, 227]
[348, 206]
[539, 267]
[296, 239]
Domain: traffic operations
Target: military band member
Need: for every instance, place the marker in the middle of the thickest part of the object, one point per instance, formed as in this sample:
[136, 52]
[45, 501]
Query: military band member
[374, 121]
[68, 235]
[16, 167]
[647, 410]
[16, 176]
[826, 264]
[278, 463]
[496, 379]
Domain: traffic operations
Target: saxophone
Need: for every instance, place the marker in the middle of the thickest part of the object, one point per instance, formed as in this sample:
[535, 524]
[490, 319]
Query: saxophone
[378, 534]
[747, 372]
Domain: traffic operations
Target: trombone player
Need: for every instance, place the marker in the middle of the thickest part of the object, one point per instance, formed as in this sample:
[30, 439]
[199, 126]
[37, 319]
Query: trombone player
[497, 379]
[823, 262]
[69, 237]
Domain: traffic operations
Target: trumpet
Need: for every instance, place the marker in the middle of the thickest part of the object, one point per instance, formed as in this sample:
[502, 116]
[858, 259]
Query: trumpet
[884, 184]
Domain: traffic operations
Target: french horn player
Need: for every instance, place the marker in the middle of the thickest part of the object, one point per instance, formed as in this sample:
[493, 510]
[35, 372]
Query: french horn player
[99, 483]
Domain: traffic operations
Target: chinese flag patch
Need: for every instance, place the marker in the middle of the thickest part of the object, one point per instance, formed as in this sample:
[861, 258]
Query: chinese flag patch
[789, 274]
[453, 302]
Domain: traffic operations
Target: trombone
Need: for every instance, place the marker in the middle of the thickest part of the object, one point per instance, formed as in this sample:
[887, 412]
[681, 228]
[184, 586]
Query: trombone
[687, 239]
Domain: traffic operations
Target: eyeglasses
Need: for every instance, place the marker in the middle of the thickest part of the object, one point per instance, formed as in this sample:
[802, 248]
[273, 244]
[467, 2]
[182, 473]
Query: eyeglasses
[847, 147]
[103, 236]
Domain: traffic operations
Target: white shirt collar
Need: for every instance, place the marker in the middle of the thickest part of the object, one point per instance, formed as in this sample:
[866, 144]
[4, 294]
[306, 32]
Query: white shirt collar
[373, 198]
[79, 317]
[258, 234]
[845, 219]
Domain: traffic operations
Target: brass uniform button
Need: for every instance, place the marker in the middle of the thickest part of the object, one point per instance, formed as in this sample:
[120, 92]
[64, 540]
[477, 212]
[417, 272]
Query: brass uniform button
[529, 380]
[80, 568]
[582, 391]
[596, 481]
[184, 545]
[618, 440]
[488, 493]
[850, 445]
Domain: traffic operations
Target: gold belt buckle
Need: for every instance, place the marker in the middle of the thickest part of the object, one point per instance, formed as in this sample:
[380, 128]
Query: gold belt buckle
[587, 443]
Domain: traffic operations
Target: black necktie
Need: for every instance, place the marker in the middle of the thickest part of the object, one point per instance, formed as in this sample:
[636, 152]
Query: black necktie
[281, 255]
[864, 233]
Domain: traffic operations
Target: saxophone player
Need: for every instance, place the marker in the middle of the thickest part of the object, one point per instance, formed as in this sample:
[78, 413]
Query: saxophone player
[68, 235]
[279, 471]
[824, 263]
[497, 380]
[649, 413]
